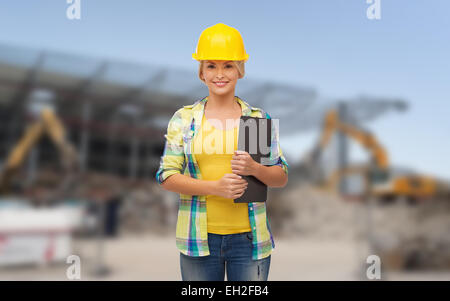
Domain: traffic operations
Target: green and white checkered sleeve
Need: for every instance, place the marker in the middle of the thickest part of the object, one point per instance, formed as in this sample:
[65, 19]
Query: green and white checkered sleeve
[276, 154]
[172, 160]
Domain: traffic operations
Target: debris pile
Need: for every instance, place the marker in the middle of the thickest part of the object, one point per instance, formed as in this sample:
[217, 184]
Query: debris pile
[413, 236]
[305, 211]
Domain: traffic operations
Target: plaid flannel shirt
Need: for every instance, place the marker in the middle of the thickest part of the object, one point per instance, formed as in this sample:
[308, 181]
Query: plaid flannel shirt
[178, 157]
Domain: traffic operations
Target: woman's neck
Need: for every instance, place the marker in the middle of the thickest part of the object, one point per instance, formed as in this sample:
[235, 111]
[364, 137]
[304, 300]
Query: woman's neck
[221, 102]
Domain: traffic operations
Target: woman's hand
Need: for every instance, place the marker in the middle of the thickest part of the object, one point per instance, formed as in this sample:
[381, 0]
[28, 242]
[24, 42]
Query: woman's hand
[230, 186]
[243, 164]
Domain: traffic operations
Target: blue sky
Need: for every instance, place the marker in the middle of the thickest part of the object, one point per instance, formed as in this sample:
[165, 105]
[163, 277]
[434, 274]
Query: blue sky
[327, 44]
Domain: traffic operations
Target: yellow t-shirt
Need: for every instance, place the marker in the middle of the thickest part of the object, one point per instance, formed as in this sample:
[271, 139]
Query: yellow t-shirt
[213, 151]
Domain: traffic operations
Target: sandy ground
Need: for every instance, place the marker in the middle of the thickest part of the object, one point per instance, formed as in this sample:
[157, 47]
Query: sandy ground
[151, 257]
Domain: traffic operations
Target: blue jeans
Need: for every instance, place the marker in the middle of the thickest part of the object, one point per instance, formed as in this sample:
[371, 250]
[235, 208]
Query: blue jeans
[231, 253]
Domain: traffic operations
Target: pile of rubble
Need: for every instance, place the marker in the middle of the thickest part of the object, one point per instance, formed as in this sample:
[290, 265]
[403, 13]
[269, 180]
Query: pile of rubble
[405, 235]
[148, 208]
[413, 236]
[305, 211]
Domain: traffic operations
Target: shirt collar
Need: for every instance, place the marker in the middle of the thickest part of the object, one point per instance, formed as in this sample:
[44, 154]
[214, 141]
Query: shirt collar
[199, 107]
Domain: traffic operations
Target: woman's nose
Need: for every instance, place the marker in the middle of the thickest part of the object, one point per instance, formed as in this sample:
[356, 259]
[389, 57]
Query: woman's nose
[219, 72]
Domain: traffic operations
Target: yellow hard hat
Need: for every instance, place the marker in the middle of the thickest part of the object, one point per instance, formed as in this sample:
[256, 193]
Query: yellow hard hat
[220, 42]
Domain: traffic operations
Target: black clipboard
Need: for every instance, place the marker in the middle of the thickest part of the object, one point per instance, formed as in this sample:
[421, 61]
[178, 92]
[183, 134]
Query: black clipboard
[254, 138]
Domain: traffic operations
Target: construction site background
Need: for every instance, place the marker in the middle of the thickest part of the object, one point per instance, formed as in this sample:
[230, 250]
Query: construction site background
[84, 108]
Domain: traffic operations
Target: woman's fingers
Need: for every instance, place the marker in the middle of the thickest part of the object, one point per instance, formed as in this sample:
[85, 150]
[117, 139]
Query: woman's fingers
[239, 181]
[240, 186]
[233, 176]
[240, 190]
[238, 195]
[236, 185]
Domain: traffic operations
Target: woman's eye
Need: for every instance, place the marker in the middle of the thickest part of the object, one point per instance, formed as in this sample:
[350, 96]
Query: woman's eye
[229, 66]
[210, 66]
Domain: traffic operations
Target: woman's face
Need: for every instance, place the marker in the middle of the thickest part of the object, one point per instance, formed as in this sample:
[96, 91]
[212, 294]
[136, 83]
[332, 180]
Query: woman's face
[220, 76]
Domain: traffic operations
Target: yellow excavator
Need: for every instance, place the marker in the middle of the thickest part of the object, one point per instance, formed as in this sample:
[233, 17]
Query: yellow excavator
[378, 180]
[46, 123]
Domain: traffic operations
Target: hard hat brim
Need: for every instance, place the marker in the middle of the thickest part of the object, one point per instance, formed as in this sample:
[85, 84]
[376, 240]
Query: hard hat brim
[199, 58]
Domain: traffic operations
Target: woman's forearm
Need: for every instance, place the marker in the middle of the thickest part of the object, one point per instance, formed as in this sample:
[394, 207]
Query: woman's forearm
[272, 176]
[187, 185]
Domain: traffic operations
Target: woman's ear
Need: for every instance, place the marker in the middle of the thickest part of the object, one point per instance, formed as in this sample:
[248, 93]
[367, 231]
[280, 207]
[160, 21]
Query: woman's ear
[200, 75]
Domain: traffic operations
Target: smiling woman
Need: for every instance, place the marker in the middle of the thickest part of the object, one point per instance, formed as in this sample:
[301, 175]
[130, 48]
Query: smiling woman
[214, 234]
[221, 78]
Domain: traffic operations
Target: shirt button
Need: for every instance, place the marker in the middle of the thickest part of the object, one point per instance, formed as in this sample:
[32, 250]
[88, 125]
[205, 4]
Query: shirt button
[251, 208]
[254, 228]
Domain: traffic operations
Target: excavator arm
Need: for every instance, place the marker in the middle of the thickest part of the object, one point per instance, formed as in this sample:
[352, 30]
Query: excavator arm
[47, 123]
[367, 140]
[376, 172]
[377, 180]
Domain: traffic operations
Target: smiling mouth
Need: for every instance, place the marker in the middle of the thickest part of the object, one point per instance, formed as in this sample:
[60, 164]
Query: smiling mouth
[220, 84]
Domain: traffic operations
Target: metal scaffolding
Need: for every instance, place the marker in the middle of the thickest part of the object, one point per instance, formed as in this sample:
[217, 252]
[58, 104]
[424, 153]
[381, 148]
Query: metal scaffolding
[116, 112]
